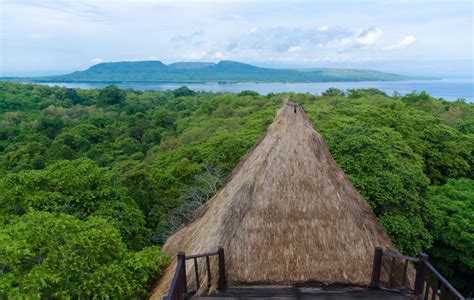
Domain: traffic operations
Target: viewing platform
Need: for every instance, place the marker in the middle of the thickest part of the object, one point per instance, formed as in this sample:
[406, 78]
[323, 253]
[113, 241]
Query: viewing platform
[395, 285]
[303, 293]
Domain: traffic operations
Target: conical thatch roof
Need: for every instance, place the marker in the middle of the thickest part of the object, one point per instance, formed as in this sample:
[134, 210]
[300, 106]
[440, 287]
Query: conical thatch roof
[288, 214]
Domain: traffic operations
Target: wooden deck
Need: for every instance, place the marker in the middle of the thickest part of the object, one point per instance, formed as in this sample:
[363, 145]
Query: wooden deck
[422, 289]
[303, 293]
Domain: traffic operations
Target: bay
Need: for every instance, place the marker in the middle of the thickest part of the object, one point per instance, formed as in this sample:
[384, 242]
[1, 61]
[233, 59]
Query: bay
[449, 89]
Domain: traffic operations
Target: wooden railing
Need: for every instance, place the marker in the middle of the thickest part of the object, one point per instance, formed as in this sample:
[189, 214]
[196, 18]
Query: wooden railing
[179, 285]
[429, 283]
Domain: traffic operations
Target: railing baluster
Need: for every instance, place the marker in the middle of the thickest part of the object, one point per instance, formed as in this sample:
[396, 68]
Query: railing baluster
[222, 281]
[197, 274]
[427, 290]
[184, 282]
[435, 290]
[390, 278]
[420, 274]
[374, 283]
[405, 275]
[442, 292]
[208, 272]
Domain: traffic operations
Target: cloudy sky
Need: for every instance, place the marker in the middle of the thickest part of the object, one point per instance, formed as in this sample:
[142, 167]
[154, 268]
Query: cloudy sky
[47, 36]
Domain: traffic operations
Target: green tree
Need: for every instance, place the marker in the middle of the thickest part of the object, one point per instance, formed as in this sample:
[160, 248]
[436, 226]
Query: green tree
[78, 188]
[110, 95]
[333, 92]
[183, 92]
[50, 126]
[453, 231]
[360, 93]
[248, 93]
[32, 155]
[407, 231]
[43, 255]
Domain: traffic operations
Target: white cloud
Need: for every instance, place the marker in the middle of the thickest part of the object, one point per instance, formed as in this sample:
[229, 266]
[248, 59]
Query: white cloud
[294, 49]
[351, 40]
[153, 57]
[279, 43]
[194, 55]
[97, 60]
[405, 42]
[295, 39]
[218, 55]
[369, 36]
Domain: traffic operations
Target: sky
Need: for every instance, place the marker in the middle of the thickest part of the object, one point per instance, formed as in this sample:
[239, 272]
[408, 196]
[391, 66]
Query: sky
[404, 36]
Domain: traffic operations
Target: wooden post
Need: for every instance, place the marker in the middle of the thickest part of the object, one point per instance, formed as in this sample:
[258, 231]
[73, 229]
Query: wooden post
[209, 279]
[374, 283]
[184, 281]
[196, 271]
[420, 274]
[222, 281]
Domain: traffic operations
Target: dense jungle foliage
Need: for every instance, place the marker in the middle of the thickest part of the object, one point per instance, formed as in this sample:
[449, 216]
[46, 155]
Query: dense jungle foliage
[93, 181]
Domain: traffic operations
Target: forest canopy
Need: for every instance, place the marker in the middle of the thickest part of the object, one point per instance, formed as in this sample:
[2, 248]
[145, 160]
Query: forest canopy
[106, 175]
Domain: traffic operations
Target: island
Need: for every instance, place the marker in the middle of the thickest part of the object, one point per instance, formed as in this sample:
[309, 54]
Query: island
[206, 72]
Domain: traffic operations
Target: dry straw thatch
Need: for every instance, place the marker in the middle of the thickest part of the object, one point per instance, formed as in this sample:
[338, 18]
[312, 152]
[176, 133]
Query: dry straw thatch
[287, 215]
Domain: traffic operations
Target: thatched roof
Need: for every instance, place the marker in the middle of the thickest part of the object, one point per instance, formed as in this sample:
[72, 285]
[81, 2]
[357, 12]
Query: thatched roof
[288, 214]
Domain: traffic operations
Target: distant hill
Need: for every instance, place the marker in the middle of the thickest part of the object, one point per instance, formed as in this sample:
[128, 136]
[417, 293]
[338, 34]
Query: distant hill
[200, 72]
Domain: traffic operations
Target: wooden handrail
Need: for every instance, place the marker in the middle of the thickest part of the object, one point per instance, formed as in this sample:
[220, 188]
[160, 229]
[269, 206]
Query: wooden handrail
[444, 282]
[393, 254]
[179, 286]
[201, 255]
[422, 288]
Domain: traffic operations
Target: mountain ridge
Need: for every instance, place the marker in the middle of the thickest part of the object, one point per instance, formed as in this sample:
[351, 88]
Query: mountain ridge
[225, 71]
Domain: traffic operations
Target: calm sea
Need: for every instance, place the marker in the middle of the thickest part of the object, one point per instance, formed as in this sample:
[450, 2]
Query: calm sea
[449, 89]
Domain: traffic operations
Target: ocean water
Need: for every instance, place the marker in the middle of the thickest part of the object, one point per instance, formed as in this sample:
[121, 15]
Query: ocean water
[449, 89]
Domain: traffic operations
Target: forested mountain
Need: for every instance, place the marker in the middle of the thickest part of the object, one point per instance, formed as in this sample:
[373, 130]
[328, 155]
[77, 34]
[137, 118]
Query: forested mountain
[224, 71]
[93, 181]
